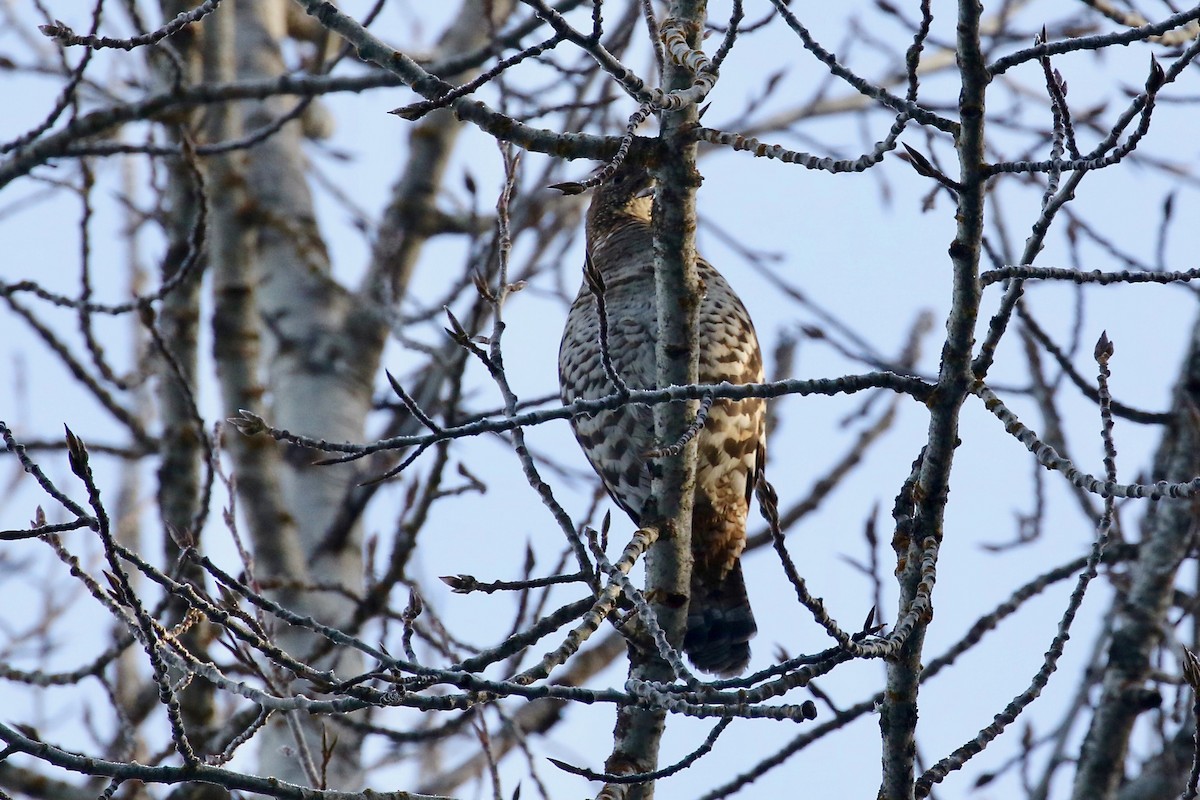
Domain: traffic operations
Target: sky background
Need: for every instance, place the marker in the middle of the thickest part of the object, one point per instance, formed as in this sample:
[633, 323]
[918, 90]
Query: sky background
[861, 247]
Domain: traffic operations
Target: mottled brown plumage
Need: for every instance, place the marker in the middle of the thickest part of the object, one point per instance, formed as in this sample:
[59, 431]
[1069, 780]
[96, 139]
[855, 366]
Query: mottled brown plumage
[730, 445]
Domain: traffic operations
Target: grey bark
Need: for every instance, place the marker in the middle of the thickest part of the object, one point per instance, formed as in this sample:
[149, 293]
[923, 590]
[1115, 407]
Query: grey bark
[1168, 535]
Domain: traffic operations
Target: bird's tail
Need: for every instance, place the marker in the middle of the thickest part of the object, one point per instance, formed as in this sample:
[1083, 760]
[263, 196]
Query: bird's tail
[720, 625]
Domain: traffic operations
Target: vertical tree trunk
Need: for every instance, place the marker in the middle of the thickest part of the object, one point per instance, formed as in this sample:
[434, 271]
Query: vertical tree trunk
[898, 715]
[1168, 535]
[181, 437]
[639, 731]
[316, 384]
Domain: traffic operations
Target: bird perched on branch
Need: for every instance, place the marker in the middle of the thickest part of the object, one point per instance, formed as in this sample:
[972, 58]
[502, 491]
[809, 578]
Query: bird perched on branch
[730, 445]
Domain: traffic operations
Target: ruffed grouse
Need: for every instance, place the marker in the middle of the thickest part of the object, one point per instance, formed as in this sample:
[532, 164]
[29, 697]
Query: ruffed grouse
[730, 445]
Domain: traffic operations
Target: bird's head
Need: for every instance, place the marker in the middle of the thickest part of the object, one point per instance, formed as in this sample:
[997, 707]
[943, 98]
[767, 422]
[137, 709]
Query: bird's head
[629, 193]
